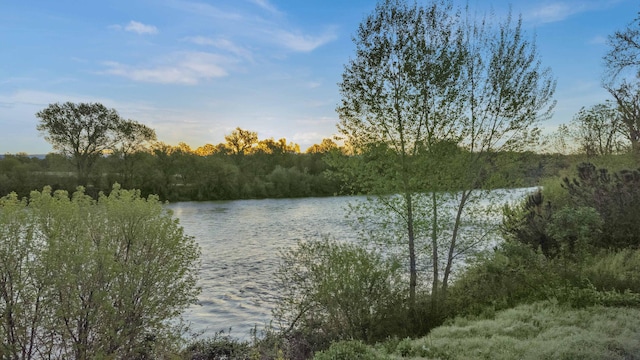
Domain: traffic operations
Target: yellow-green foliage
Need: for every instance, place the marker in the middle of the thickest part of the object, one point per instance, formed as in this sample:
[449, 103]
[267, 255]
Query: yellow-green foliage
[544, 330]
[616, 271]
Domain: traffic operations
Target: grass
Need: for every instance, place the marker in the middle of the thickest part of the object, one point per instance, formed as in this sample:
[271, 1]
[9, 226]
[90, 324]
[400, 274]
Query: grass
[544, 330]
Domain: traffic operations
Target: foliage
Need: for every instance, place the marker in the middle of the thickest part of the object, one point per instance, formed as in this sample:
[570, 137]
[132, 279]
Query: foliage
[86, 131]
[511, 275]
[598, 130]
[543, 330]
[616, 198]
[624, 52]
[335, 291]
[220, 346]
[425, 79]
[241, 141]
[348, 350]
[615, 271]
[92, 278]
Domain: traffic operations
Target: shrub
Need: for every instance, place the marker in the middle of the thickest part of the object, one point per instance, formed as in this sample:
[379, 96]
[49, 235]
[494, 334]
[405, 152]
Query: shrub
[220, 346]
[618, 270]
[337, 291]
[348, 350]
[95, 279]
[512, 274]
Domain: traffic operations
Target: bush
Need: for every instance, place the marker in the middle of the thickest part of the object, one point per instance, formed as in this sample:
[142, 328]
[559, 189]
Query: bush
[337, 291]
[619, 271]
[348, 350]
[93, 279]
[220, 346]
[511, 275]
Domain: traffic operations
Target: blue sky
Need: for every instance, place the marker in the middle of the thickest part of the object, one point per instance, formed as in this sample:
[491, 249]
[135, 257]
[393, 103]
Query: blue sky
[195, 69]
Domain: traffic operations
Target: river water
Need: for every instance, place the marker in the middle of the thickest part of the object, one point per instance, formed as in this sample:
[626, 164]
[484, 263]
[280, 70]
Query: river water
[240, 242]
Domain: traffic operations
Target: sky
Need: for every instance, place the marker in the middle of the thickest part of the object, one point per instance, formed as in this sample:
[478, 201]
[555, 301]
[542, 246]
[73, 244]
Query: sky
[194, 70]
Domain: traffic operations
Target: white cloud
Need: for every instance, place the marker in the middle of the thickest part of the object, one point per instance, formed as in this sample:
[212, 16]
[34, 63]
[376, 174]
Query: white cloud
[560, 10]
[265, 4]
[203, 9]
[182, 68]
[140, 28]
[222, 44]
[598, 40]
[301, 42]
[554, 12]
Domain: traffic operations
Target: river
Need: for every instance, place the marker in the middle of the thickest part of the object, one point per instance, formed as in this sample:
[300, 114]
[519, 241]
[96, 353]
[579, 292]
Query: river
[241, 241]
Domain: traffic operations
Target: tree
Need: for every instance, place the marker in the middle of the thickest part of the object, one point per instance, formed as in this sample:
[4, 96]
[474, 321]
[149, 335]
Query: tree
[240, 141]
[80, 131]
[624, 55]
[131, 137]
[624, 52]
[424, 77]
[86, 131]
[627, 97]
[84, 278]
[325, 146]
[598, 130]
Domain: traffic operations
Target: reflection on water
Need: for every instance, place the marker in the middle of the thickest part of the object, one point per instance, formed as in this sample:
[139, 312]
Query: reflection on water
[240, 242]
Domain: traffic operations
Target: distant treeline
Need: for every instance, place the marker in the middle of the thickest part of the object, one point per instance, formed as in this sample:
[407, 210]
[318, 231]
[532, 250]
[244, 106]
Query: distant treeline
[177, 174]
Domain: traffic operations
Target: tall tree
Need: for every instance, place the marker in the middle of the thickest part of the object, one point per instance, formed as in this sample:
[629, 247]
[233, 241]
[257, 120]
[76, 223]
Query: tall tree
[80, 131]
[627, 96]
[426, 78]
[624, 52]
[397, 95]
[622, 78]
[598, 130]
[131, 137]
[84, 132]
[240, 141]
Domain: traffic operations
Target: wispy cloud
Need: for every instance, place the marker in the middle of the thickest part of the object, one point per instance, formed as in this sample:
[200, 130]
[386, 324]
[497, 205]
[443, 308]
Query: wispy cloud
[554, 12]
[598, 40]
[265, 4]
[222, 44]
[136, 27]
[268, 28]
[560, 10]
[298, 41]
[187, 68]
[140, 28]
[204, 9]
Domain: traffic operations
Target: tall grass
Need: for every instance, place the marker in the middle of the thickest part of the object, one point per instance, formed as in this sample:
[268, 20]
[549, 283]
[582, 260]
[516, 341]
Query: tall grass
[544, 330]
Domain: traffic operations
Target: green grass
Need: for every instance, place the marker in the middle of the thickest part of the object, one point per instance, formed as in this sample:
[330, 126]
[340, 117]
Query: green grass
[544, 330]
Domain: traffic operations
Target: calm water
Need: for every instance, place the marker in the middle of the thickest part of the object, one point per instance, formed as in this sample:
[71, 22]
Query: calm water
[240, 242]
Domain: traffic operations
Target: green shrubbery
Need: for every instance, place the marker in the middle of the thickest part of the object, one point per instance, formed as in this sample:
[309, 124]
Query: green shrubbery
[337, 291]
[85, 279]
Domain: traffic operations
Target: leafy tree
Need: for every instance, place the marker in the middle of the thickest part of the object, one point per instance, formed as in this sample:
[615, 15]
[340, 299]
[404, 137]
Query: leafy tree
[206, 150]
[627, 97]
[424, 77]
[81, 131]
[85, 132]
[599, 130]
[132, 137]
[624, 52]
[624, 58]
[325, 146]
[240, 141]
[84, 278]
[270, 146]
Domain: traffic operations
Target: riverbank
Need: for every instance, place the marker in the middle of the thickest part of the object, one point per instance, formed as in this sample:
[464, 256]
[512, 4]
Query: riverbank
[544, 330]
